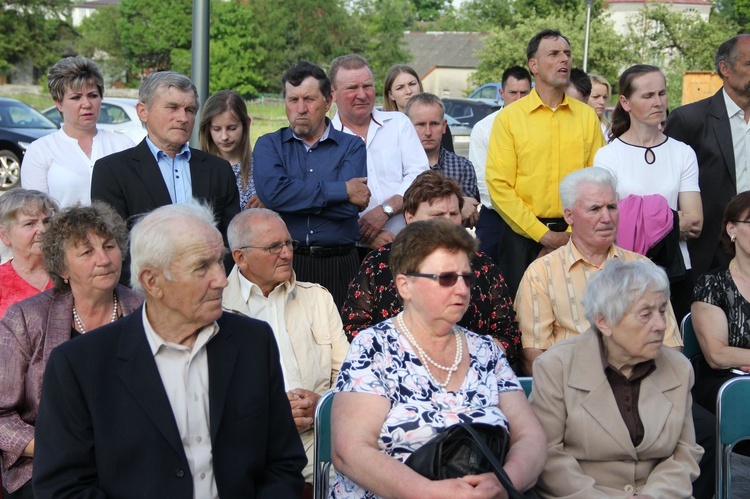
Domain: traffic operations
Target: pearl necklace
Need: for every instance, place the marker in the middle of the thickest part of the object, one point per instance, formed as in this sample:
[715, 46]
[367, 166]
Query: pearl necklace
[424, 357]
[79, 322]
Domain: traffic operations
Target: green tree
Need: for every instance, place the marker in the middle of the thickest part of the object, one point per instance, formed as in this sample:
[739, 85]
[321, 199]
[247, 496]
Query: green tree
[677, 42]
[39, 30]
[382, 24]
[101, 41]
[237, 57]
[293, 30]
[156, 34]
[430, 10]
[505, 47]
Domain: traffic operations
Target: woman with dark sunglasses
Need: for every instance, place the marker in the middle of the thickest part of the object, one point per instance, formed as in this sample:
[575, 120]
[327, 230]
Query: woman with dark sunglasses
[412, 375]
[372, 296]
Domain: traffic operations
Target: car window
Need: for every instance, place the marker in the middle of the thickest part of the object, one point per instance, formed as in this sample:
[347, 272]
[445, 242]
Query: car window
[22, 116]
[112, 115]
[487, 93]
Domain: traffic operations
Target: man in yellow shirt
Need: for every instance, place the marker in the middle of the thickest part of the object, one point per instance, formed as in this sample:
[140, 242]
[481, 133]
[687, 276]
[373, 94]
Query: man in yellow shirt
[535, 142]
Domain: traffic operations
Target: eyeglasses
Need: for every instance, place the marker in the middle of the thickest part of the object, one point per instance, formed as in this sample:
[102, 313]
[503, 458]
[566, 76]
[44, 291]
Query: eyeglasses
[275, 248]
[741, 221]
[448, 279]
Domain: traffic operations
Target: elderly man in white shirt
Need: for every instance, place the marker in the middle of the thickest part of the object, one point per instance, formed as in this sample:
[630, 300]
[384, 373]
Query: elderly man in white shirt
[304, 319]
[394, 152]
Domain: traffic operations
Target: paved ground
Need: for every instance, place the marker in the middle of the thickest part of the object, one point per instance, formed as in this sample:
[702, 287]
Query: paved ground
[740, 477]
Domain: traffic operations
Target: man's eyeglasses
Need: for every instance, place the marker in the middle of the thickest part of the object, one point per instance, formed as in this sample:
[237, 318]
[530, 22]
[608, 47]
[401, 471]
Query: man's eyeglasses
[448, 279]
[275, 248]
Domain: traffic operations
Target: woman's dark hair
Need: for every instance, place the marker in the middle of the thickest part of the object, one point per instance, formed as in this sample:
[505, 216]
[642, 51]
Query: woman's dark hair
[72, 225]
[620, 117]
[737, 209]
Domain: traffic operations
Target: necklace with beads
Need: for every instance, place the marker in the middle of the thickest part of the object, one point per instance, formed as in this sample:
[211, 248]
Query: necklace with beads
[427, 359]
[79, 322]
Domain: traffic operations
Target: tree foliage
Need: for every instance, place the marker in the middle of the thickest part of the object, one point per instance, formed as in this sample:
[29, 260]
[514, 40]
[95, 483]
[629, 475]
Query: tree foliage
[430, 10]
[154, 32]
[678, 42]
[101, 41]
[38, 30]
[382, 25]
[505, 47]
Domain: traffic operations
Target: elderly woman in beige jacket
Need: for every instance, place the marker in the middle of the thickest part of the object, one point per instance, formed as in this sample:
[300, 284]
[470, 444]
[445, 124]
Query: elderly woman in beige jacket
[614, 402]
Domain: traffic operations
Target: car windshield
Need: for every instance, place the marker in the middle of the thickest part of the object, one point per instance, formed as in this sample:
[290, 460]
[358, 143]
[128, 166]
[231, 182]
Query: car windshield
[19, 115]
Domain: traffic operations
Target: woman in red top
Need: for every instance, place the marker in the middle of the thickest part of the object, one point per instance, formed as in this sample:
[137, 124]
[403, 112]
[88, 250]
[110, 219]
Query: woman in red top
[24, 215]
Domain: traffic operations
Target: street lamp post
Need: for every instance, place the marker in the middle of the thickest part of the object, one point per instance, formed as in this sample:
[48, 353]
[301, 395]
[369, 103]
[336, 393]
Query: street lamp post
[589, 3]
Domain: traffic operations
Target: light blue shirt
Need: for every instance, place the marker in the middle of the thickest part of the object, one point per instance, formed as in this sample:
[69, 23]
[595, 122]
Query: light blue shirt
[176, 172]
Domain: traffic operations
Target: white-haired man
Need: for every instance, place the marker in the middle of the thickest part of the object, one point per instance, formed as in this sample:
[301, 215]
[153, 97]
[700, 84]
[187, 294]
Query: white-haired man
[179, 400]
[303, 316]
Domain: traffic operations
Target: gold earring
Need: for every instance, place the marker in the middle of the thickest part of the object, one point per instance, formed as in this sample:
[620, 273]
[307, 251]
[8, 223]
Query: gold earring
[732, 237]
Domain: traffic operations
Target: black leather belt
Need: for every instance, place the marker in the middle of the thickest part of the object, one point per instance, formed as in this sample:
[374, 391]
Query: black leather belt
[555, 224]
[324, 251]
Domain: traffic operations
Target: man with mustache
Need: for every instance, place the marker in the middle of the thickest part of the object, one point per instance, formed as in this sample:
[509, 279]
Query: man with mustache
[304, 319]
[162, 169]
[178, 399]
[315, 177]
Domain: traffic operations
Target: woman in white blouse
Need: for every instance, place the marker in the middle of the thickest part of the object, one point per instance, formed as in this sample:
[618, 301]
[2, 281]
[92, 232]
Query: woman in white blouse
[60, 164]
[645, 161]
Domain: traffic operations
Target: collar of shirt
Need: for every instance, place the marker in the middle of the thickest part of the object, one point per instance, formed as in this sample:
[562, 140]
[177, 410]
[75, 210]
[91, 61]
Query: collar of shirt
[308, 147]
[576, 256]
[158, 153]
[156, 342]
[534, 102]
[732, 107]
[251, 291]
[377, 118]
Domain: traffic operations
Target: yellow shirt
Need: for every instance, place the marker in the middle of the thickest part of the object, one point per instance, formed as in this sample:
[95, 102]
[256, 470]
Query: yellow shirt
[548, 303]
[532, 148]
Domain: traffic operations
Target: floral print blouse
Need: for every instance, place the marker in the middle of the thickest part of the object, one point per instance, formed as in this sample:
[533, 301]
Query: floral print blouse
[382, 362]
[372, 298]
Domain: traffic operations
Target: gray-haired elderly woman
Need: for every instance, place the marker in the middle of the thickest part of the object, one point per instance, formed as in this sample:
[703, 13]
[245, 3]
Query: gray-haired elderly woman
[615, 403]
[82, 250]
[60, 164]
[24, 215]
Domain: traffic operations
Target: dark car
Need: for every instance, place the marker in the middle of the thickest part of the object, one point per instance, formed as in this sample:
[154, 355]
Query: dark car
[469, 111]
[20, 125]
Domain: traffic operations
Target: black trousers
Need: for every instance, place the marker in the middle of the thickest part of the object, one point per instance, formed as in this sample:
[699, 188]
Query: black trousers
[333, 272]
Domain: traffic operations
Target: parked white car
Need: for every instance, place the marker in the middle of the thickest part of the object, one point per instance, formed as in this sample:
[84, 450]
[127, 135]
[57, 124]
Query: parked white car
[116, 115]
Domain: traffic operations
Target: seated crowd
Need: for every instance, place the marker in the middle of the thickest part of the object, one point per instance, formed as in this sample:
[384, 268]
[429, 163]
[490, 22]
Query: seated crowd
[141, 358]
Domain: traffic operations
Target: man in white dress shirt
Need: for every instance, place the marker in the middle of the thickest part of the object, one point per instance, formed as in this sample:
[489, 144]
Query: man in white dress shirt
[304, 319]
[394, 152]
[516, 83]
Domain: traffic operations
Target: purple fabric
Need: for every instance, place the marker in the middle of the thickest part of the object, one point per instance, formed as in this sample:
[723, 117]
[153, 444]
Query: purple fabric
[29, 332]
[644, 221]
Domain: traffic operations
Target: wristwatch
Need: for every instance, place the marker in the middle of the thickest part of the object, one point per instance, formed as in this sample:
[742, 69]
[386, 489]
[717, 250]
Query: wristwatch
[387, 209]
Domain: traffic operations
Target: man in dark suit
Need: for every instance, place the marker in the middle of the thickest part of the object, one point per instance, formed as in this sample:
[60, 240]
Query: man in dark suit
[162, 169]
[176, 400]
[714, 128]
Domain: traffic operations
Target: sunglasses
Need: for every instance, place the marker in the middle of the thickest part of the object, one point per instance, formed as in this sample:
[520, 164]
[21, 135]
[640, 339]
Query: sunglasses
[448, 279]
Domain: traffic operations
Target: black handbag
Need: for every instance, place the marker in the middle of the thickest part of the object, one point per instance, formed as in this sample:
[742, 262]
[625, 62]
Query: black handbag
[465, 449]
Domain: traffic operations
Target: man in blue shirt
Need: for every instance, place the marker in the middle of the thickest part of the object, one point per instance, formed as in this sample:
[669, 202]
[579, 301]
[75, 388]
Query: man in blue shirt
[315, 177]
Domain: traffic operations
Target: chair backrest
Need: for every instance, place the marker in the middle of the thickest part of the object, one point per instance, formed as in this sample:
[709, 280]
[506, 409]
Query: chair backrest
[691, 347]
[732, 408]
[526, 384]
[322, 451]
